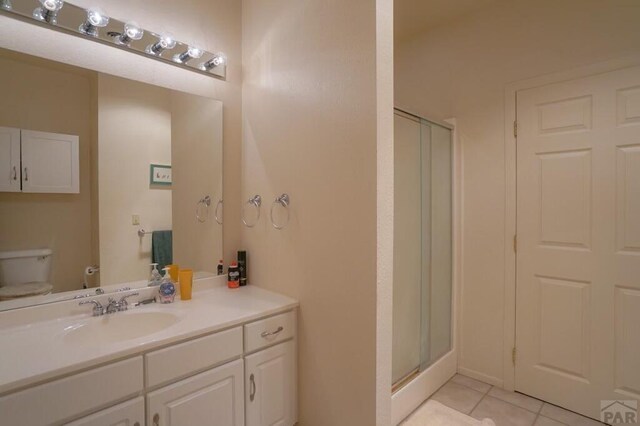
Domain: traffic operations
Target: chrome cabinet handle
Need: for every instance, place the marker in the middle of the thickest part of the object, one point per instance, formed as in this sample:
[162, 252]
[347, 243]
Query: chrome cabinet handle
[26, 174]
[266, 334]
[252, 388]
[156, 419]
[15, 173]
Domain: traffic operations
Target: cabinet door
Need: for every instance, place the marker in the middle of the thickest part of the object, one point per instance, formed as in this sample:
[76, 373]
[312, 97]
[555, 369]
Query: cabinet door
[130, 413]
[9, 159]
[50, 162]
[214, 398]
[270, 383]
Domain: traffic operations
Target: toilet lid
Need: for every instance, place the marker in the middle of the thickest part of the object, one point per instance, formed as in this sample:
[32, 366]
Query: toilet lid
[23, 290]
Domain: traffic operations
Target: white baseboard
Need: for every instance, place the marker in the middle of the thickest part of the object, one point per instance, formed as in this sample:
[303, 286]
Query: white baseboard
[495, 381]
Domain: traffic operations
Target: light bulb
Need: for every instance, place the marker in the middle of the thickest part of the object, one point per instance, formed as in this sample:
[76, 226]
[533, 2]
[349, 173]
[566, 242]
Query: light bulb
[218, 60]
[132, 31]
[189, 54]
[165, 42]
[48, 11]
[6, 4]
[95, 19]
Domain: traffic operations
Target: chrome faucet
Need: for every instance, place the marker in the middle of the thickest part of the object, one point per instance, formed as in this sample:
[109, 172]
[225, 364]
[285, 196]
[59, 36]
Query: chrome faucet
[123, 305]
[112, 306]
[98, 310]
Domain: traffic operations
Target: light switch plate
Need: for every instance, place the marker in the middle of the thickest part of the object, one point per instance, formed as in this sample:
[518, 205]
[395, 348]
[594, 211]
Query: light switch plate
[135, 219]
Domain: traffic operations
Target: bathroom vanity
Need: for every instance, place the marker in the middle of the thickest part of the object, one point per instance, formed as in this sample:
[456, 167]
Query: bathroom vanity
[226, 357]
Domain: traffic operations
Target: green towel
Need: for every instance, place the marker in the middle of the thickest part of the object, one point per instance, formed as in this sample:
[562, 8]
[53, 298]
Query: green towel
[162, 248]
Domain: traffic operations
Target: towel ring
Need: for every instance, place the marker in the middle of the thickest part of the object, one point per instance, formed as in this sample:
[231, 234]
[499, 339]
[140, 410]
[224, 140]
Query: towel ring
[255, 201]
[283, 201]
[215, 212]
[203, 202]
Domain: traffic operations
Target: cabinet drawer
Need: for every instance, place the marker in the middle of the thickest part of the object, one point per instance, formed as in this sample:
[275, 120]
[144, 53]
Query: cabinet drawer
[130, 413]
[268, 331]
[74, 395]
[180, 360]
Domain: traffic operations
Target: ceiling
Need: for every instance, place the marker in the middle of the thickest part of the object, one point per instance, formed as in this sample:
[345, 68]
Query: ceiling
[412, 17]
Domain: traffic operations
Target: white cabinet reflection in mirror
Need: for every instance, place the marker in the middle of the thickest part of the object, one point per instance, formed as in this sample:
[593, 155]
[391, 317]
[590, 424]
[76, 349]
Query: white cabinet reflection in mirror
[215, 366]
[39, 162]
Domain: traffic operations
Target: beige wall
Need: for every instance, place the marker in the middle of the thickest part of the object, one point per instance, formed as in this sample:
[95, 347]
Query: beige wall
[196, 152]
[39, 95]
[215, 25]
[309, 129]
[134, 131]
[460, 70]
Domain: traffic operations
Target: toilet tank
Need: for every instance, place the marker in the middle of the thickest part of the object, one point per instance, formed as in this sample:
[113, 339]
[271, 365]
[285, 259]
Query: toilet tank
[25, 266]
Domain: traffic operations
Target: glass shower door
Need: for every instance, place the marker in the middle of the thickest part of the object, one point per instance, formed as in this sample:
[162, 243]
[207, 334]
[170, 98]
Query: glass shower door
[407, 259]
[422, 282]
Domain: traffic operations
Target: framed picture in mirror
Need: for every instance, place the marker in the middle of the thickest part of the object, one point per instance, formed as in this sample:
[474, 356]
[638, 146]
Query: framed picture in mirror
[160, 174]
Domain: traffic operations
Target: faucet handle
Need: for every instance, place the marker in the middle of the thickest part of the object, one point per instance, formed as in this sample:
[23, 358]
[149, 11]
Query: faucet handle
[123, 305]
[97, 307]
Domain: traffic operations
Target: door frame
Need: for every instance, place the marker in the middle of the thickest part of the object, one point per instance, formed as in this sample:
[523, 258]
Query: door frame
[511, 89]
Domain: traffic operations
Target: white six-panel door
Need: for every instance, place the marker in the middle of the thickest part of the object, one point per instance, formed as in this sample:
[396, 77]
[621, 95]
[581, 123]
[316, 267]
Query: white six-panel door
[578, 225]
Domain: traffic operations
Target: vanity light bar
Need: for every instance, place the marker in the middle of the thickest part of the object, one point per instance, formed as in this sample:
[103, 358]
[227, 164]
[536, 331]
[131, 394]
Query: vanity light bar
[93, 24]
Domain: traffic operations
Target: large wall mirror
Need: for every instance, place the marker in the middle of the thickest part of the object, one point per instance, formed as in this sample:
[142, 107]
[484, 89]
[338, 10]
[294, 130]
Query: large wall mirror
[100, 177]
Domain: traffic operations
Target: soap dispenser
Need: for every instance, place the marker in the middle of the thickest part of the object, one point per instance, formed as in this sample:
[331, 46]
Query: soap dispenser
[155, 279]
[167, 290]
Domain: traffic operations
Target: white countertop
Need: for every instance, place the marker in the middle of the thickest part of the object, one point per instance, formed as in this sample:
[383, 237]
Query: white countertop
[33, 352]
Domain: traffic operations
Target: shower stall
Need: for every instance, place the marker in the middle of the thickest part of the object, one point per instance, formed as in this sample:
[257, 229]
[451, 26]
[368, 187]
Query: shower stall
[422, 357]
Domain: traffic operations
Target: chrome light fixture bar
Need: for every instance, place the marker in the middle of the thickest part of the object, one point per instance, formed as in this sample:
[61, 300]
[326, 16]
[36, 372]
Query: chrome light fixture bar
[93, 24]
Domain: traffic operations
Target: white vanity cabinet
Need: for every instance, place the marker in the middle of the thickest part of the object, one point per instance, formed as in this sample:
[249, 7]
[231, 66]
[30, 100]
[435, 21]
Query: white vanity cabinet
[130, 413]
[212, 398]
[270, 383]
[241, 375]
[80, 394]
[39, 162]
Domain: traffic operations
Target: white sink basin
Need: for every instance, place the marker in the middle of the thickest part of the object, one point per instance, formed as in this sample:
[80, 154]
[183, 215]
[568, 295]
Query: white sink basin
[119, 326]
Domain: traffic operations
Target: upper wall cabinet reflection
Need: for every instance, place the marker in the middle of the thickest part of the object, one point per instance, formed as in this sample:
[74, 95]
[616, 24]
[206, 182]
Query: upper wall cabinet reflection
[39, 161]
[88, 160]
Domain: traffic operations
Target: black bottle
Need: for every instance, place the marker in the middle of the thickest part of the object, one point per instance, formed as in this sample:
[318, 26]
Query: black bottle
[242, 266]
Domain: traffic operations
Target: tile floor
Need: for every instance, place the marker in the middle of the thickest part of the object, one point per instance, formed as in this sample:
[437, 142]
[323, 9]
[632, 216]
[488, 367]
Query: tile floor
[480, 400]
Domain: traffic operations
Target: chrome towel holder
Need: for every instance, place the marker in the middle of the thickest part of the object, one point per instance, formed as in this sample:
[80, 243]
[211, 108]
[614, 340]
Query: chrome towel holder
[215, 212]
[284, 201]
[206, 203]
[256, 202]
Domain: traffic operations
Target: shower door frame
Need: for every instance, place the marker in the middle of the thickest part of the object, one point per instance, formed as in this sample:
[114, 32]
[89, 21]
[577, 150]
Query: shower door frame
[424, 383]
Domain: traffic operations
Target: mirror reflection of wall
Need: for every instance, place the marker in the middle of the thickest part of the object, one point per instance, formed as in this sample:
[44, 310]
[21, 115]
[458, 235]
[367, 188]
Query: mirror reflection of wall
[134, 132]
[122, 128]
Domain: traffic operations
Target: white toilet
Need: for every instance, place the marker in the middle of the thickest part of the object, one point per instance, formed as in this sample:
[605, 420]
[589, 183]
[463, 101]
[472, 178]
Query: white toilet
[24, 273]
